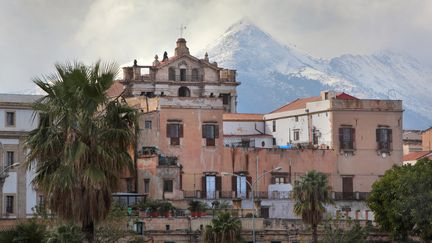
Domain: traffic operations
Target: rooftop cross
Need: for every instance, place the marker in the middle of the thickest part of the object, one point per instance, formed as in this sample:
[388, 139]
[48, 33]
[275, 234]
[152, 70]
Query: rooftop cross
[182, 28]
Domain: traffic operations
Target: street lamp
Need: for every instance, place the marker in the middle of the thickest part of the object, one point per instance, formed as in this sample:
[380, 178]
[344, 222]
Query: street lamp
[252, 195]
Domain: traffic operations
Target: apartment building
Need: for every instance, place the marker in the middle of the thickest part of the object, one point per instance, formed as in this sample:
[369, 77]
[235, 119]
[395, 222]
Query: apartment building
[18, 197]
[193, 145]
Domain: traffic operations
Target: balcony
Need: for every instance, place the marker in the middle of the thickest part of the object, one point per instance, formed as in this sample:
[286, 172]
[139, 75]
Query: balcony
[350, 196]
[274, 195]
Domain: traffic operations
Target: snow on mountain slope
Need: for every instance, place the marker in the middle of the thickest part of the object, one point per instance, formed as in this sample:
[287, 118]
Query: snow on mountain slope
[273, 74]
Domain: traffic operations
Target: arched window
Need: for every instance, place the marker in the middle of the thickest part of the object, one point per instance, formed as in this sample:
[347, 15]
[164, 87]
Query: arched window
[184, 92]
[171, 74]
[195, 74]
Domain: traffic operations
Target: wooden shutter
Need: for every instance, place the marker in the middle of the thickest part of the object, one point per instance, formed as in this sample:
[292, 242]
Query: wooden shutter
[353, 138]
[181, 180]
[219, 184]
[248, 189]
[203, 187]
[203, 128]
[168, 130]
[347, 184]
[377, 133]
[216, 131]
[273, 180]
[180, 130]
[341, 138]
[390, 134]
[234, 184]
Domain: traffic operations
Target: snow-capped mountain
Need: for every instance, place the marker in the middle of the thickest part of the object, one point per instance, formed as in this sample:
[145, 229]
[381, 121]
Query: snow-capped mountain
[273, 74]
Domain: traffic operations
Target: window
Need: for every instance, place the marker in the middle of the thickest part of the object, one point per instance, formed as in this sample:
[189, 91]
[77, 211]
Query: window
[210, 132]
[148, 124]
[171, 74]
[274, 141]
[347, 187]
[279, 180]
[168, 185]
[346, 138]
[182, 74]
[226, 99]
[174, 132]
[194, 74]
[146, 186]
[9, 204]
[279, 177]
[10, 118]
[383, 138]
[211, 187]
[296, 118]
[10, 158]
[129, 185]
[274, 125]
[296, 134]
[241, 186]
[184, 92]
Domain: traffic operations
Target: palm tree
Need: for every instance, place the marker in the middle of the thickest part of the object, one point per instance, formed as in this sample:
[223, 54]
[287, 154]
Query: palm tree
[81, 143]
[223, 229]
[310, 195]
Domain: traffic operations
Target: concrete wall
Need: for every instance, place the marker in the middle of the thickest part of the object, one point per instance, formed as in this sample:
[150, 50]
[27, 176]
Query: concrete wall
[243, 127]
[366, 164]
[427, 140]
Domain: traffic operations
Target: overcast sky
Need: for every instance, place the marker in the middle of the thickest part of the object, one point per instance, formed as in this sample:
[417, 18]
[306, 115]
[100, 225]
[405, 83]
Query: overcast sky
[35, 34]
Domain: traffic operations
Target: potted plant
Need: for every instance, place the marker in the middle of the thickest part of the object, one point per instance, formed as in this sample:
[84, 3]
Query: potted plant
[195, 208]
[165, 209]
[237, 203]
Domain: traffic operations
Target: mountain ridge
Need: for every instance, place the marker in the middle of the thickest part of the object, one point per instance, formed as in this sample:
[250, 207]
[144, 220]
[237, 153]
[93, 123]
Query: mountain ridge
[273, 73]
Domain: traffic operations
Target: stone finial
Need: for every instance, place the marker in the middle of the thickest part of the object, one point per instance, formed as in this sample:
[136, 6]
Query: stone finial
[156, 61]
[135, 63]
[181, 48]
[206, 57]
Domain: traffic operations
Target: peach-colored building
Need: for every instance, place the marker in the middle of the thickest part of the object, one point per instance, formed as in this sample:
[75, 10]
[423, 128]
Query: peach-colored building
[190, 134]
[426, 137]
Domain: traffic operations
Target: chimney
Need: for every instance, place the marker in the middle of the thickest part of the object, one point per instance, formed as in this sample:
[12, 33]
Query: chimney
[181, 48]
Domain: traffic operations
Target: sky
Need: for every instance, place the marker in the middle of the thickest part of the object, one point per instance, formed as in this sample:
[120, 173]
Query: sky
[36, 34]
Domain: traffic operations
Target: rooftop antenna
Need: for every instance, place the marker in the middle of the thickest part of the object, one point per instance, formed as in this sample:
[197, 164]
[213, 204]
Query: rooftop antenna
[182, 28]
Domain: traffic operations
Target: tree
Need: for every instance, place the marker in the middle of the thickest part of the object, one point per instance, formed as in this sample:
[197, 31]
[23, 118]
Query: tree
[401, 200]
[25, 232]
[81, 143]
[223, 229]
[310, 195]
[344, 230]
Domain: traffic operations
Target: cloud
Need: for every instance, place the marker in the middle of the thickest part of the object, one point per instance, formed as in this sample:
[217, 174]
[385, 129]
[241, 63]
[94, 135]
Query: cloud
[36, 34]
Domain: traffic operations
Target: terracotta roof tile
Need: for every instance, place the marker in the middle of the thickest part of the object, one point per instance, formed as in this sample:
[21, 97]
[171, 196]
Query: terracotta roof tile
[297, 104]
[242, 117]
[115, 90]
[415, 155]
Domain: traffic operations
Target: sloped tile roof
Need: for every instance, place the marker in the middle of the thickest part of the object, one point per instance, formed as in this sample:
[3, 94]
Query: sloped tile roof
[242, 117]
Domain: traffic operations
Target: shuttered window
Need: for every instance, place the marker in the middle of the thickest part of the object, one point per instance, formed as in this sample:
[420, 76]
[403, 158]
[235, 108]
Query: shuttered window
[384, 139]
[210, 132]
[346, 138]
[174, 132]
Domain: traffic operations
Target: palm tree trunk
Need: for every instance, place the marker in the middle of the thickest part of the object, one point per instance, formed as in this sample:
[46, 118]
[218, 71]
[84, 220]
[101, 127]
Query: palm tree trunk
[314, 233]
[88, 230]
